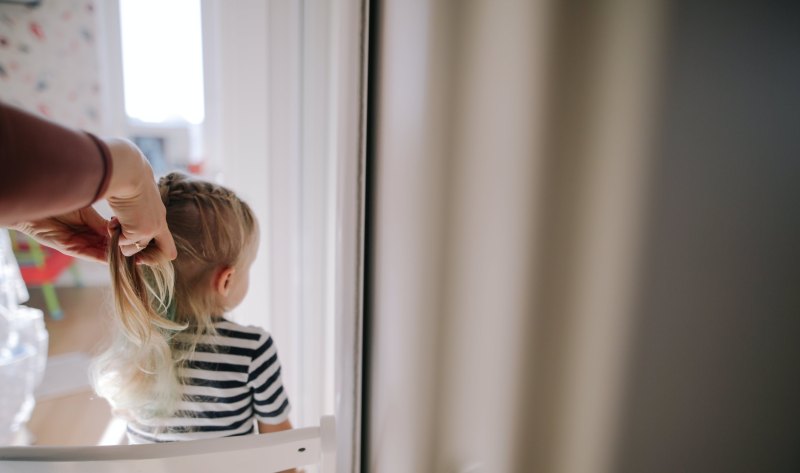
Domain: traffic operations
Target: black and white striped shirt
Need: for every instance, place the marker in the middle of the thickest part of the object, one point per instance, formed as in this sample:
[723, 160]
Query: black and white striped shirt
[228, 382]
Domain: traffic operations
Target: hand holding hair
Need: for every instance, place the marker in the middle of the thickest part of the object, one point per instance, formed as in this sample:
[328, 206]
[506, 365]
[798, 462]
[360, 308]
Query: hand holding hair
[136, 201]
[134, 197]
[52, 175]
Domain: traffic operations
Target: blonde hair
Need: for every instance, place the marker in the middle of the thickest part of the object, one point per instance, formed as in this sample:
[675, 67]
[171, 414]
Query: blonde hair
[162, 310]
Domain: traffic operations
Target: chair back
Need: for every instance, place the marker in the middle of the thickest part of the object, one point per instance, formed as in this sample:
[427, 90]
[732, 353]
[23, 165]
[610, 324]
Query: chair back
[263, 453]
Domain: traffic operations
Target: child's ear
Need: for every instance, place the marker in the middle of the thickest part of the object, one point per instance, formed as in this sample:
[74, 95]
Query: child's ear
[222, 280]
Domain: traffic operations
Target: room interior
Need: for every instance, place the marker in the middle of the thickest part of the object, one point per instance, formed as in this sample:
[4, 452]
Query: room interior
[504, 236]
[91, 65]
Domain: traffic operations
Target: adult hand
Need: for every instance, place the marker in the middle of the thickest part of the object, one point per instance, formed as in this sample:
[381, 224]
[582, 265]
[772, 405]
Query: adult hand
[136, 202]
[134, 197]
[81, 233]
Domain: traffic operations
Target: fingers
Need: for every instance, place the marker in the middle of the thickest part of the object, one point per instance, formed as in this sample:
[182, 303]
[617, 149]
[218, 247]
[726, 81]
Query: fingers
[137, 232]
[130, 250]
[154, 252]
[94, 220]
[130, 239]
[129, 245]
[95, 247]
[88, 248]
[80, 233]
[166, 244]
[149, 257]
[161, 247]
[94, 254]
[136, 202]
[162, 241]
[113, 224]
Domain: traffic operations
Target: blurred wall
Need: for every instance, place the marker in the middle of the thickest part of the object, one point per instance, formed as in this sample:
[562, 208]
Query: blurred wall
[714, 379]
[581, 218]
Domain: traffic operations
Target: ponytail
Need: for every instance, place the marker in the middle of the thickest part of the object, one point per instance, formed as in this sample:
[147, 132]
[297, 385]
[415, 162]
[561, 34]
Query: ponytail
[137, 374]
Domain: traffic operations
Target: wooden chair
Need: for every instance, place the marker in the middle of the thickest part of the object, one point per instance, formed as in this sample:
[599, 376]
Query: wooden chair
[257, 453]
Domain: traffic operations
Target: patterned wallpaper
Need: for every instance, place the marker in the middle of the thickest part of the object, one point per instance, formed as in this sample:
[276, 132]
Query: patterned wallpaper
[49, 61]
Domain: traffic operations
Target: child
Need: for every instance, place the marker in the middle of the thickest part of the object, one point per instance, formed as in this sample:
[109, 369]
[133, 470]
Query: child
[177, 369]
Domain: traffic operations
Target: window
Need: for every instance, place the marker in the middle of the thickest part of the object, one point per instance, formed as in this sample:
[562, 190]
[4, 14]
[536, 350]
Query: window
[162, 58]
[163, 86]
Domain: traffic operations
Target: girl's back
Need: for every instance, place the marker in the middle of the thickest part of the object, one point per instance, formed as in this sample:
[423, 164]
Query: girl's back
[228, 380]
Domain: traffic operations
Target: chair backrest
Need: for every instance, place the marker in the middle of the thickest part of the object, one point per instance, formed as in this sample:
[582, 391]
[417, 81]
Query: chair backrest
[263, 453]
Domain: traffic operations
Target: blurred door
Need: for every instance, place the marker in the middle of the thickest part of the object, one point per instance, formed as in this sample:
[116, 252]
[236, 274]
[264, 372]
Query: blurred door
[581, 227]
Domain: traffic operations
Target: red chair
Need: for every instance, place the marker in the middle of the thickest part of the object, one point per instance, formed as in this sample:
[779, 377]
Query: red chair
[41, 266]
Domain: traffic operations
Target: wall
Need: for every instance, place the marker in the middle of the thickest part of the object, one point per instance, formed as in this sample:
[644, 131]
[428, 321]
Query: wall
[714, 381]
[584, 260]
[450, 213]
[283, 105]
[49, 61]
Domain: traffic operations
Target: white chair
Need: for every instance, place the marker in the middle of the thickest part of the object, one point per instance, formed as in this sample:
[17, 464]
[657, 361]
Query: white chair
[255, 453]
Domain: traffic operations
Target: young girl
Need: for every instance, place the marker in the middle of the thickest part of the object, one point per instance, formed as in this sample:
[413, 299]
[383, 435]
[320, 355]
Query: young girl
[177, 369]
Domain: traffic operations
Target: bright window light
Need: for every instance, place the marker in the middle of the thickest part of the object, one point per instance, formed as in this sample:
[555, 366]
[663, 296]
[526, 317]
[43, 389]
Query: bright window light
[162, 60]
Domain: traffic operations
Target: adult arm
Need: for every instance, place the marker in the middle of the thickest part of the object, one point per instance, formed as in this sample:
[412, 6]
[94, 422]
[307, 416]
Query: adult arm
[47, 169]
[52, 174]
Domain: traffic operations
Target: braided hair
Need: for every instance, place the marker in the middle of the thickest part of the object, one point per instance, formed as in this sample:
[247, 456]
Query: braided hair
[211, 226]
[161, 311]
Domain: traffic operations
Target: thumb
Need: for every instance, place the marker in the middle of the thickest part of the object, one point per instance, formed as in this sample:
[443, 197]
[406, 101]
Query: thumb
[111, 226]
[94, 220]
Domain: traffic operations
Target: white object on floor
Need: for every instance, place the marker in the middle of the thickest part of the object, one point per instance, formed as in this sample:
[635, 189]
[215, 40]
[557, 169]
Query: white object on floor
[23, 351]
[263, 453]
[65, 374]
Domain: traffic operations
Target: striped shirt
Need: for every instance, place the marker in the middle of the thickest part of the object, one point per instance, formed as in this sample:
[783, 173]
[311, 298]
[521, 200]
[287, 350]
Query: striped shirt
[228, 382]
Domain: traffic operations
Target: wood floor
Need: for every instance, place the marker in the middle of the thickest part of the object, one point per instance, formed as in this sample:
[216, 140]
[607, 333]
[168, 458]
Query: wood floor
[79, 418]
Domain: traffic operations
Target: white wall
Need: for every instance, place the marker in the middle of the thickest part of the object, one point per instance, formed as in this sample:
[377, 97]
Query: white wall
[253, 133]
[283, 128]
[238, 123]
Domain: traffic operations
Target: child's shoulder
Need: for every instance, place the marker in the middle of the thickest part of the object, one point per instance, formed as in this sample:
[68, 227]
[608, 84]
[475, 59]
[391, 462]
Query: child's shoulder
[230, 329]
